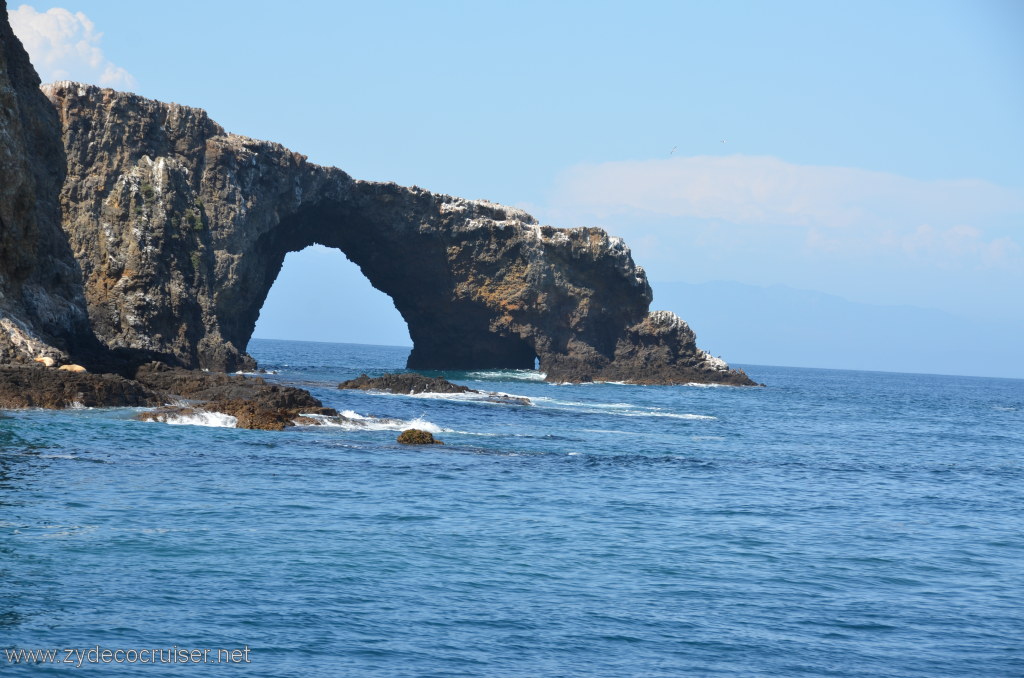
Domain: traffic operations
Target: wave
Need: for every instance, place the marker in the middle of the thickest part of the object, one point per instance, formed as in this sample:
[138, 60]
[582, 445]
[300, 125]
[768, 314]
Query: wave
[349, 420]
[197, 418]
[620, 409]
[507, 375]
[485, 397]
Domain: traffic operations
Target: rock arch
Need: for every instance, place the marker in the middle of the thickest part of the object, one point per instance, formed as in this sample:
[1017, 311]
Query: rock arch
[180, 230]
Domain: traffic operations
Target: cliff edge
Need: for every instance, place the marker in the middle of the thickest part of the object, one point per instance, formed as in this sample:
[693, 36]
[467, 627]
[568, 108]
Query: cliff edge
[42, 308]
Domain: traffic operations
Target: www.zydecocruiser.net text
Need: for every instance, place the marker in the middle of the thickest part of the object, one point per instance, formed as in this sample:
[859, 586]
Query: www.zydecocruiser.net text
[79, 656]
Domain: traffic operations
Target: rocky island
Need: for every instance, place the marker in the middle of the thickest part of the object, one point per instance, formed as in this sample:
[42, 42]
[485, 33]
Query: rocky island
[135, 232]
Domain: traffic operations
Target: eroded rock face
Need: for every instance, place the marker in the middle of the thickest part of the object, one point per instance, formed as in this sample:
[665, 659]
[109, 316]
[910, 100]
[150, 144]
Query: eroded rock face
[180, 230]
[42, 310]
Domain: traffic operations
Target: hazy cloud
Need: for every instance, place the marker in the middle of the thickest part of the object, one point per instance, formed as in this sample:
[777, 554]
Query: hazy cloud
[742, 202]
[765, 190]
[65, 46]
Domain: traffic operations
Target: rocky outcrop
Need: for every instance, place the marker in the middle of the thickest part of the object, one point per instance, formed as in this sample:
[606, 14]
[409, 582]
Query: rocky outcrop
[23, 386]
[42, 310]
[250, 401]
[181, 228]
[213, 386]
[404, 382]
[415, 436]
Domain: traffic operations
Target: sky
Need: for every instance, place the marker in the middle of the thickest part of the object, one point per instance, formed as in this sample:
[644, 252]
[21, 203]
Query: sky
[870, 152]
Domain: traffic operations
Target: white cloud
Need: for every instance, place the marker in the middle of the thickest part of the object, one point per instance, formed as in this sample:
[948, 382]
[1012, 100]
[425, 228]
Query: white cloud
[65, 46]
[769, 191]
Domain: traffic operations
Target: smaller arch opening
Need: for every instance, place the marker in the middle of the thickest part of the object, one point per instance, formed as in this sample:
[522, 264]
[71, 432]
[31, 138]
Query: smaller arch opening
[320, 295]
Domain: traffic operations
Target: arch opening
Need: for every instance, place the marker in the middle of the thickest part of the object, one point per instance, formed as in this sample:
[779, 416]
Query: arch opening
[320, 295]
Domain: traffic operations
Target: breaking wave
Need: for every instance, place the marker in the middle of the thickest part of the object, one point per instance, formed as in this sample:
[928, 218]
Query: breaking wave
[349, 420]
[215, 419]
[507, 375]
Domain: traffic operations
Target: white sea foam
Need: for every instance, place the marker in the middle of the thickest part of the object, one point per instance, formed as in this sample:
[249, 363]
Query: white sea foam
[445, 396]
[485, 397]
[215, 419]
[508, 375]
[619, 409]
[353, 421]
[580, 403]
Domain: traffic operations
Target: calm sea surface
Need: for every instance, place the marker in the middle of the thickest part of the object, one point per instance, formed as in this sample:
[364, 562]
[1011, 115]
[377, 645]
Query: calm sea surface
[835, 523]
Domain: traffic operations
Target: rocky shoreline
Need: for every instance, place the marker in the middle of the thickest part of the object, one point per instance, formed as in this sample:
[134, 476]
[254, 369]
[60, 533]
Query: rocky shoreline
[253, 402]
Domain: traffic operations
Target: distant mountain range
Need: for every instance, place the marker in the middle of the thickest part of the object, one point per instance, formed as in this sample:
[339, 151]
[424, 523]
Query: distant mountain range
[800, 328]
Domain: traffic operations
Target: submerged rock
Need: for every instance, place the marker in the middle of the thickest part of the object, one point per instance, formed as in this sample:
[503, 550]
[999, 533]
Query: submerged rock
[415, 436]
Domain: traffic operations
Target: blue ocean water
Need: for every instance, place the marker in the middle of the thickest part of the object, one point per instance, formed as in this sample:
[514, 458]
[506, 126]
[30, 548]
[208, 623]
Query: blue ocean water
[835, 523]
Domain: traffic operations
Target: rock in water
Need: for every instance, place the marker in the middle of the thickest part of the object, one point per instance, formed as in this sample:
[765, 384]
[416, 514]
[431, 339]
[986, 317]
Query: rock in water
[404, 382]
[42, 308]
[415, 436]
[181, 229]
[24, 386]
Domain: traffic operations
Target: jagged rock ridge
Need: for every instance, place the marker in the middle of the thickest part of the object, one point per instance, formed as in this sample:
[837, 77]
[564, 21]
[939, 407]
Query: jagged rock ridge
[181, 228]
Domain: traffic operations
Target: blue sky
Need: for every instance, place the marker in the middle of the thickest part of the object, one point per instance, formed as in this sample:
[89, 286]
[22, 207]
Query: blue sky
[870, 150]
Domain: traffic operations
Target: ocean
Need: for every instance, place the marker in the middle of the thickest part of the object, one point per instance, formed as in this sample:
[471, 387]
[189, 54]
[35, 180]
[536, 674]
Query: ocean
[834, 523]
